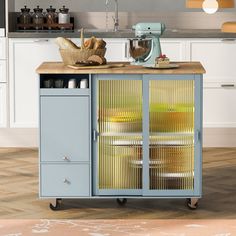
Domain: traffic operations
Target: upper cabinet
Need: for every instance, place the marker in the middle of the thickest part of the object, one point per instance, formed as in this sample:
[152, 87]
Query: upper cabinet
[216, 55]
[25, 55]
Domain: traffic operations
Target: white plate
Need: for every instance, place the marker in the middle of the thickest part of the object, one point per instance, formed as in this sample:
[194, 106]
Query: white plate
[169, 66]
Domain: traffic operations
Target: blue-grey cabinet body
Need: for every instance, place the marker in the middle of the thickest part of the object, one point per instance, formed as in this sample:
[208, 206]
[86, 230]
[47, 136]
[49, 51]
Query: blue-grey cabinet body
[71, 140]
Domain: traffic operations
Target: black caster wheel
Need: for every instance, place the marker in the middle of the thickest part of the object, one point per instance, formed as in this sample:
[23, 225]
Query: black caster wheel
[122, 201]
[57, 205]
[192, 203]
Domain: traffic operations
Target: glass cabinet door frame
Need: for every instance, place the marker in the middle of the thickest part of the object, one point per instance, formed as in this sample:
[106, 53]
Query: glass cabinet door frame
[146, 191]
[198, 104]
[95, 135]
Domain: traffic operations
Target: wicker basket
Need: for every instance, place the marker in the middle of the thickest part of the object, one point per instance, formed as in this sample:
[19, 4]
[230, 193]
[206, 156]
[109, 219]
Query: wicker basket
[70, 57]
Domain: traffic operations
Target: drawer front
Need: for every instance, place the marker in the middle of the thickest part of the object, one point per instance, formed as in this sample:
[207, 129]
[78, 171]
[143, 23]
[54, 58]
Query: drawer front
[218, 108]
[65, 129]
[3, 74]
[2, 48]
[65, 180]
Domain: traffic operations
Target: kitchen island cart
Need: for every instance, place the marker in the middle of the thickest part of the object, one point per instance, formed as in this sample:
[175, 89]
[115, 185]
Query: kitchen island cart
[132, 132]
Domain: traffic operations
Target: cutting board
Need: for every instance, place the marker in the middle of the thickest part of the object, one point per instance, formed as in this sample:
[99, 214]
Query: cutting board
[79, 67]
[229, 27]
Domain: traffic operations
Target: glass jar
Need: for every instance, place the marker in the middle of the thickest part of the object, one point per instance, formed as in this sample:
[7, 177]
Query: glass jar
[63, 16]
[25, 17]
[38, 18]
[51, 16]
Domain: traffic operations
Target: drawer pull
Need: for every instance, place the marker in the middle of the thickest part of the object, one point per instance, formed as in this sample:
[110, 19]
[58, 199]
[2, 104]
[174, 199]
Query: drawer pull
[227, 85]
[228, 40]
[66, 158]
[66, 181]
[41, 40]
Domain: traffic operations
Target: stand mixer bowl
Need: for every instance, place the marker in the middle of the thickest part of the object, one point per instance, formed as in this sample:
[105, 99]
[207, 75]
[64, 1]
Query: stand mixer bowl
[140, 48]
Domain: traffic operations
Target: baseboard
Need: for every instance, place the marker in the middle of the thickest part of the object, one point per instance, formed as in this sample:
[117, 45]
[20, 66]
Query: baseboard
[17, 137]
[219, 137]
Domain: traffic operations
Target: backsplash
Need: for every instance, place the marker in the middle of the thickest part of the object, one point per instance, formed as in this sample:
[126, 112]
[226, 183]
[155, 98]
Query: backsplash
[91, 13]
[181, 20]
[99, 5]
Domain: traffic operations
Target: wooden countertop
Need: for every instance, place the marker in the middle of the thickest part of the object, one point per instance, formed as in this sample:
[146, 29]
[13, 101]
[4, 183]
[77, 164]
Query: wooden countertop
[60, 68]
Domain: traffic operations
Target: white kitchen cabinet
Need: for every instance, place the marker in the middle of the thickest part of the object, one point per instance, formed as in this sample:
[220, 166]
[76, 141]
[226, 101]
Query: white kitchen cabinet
[3, 105]
[2, 48]
[175, 49]
[117, 50]
[25, 55]
[3, 71]
[219, 105]
[217, 56]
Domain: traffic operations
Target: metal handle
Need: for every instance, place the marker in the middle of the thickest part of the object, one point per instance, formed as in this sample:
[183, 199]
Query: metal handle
[127, 50]
[228, 40]
[66, 158]
[228, 85]
[198, 135]
[66, 181]
[95, 135]
[41, 40]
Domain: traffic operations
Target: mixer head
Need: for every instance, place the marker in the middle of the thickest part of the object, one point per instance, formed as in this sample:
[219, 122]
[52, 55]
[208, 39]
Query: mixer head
[149, 29]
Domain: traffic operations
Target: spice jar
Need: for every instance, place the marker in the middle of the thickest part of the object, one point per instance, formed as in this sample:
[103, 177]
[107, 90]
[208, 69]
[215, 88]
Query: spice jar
[51, 16]
[38, 18]
[25, 17]
[63, 16]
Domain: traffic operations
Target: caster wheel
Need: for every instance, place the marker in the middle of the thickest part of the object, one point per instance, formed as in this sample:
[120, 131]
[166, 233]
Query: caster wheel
[192, 203]
[57, 205]
[122, 201]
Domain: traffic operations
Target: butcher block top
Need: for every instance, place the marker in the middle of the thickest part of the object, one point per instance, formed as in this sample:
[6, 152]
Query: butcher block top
[60, 68]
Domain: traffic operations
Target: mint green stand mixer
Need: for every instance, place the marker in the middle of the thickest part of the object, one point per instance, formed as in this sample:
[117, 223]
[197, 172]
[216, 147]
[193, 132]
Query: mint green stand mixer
[146, 46]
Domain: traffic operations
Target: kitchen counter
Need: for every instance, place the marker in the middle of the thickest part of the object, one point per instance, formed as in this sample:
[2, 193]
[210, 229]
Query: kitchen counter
[126, 33]
[60, 68]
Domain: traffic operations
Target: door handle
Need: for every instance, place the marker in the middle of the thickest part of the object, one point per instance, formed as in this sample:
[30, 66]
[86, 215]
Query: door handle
[95, 135]
[127, 50]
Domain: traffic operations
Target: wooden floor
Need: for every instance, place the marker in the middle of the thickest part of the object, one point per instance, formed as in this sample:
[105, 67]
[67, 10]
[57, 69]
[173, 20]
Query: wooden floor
[19, 193]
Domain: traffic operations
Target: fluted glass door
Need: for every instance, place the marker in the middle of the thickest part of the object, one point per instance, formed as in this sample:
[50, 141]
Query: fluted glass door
[120, 136]
[171, 134]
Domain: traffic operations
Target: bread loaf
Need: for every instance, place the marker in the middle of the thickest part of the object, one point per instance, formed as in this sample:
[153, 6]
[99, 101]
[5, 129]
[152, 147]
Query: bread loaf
[65, 43]
[99, 44]
[98, 59]
[89, 44]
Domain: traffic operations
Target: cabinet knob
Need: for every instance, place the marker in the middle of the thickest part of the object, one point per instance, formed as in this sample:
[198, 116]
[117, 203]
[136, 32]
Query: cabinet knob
[66, 158]
[66, 181]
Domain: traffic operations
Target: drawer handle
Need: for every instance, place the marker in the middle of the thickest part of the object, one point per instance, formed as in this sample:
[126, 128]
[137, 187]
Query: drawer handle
[66, 158]
[228, 40]
[41, 40]
[227, 85]
[66, 181]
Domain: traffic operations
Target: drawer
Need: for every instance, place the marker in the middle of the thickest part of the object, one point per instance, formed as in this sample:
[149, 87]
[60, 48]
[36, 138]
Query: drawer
[65, 129]
[60, 180]
[2, 48]
[218, 105]
[3, 71]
